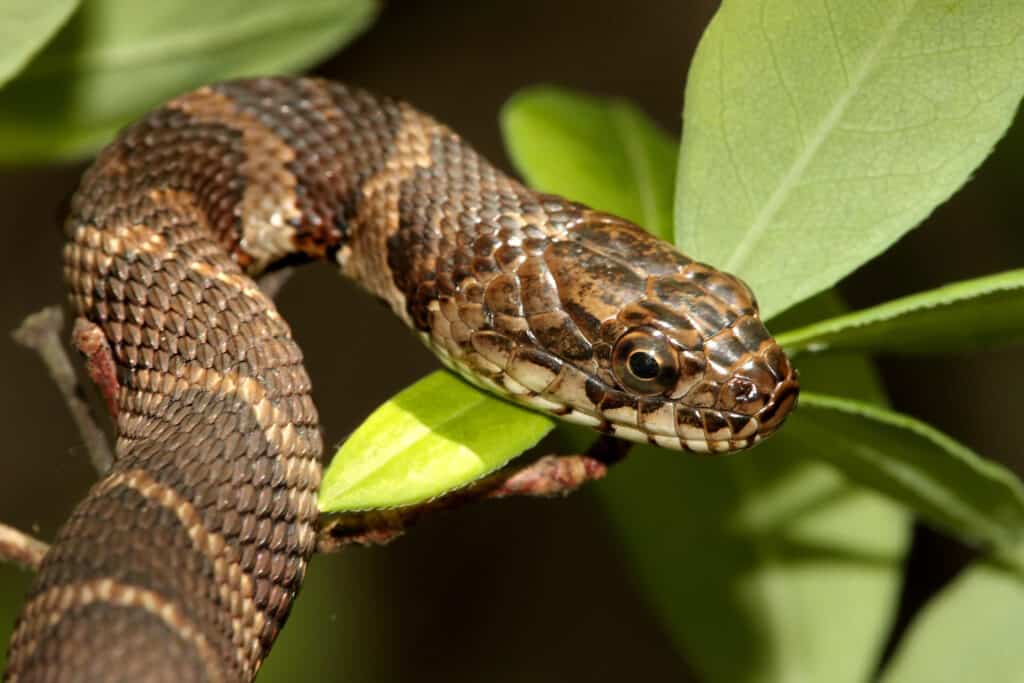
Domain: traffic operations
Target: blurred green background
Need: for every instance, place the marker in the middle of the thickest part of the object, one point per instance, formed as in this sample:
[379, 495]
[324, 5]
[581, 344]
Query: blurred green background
[522, 589]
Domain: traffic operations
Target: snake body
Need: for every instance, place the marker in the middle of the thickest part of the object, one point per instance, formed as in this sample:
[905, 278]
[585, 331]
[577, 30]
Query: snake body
[182, 562]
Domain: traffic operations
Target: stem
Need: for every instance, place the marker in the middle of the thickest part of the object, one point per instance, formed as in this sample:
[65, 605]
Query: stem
[21, 549]
[40, 332]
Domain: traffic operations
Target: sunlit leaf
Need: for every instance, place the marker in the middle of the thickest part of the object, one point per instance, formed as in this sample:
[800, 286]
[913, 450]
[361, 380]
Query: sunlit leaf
[116, 59]
[436, 435]
[964, 316]
[816, 133]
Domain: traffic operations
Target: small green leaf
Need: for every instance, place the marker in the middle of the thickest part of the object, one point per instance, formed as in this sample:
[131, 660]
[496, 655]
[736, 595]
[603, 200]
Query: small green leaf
[968, 632]
[941, 480]
[964, 316]
[817, 132]
[25, 27]
[434, 436]
[603, 152]
[116, 59]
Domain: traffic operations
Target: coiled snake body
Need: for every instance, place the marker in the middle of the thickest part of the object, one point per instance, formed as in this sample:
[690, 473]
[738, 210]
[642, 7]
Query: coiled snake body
[182, 562]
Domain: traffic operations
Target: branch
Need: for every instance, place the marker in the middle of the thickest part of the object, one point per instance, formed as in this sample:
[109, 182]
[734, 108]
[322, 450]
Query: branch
[40, 332]
[21, 549]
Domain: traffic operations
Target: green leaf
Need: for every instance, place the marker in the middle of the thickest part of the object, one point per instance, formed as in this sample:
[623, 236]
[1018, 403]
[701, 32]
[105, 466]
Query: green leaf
[969, 632]
[941, 480]
[25, 26]
[816, 132]
[603, 152]
[116, 59]
[768, 566]
[964, 316]
[436, 435]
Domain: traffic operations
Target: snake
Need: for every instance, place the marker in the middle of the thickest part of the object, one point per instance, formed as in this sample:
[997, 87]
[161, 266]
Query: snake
[183, 560]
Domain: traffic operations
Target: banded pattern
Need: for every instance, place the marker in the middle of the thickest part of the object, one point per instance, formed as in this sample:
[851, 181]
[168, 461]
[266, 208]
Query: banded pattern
[182, 562]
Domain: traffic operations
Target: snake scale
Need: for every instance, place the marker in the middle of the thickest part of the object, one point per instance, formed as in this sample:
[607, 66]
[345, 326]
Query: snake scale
[182, 562]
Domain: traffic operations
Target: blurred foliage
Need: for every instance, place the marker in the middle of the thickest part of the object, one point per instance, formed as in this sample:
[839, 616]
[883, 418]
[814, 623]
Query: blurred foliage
[115, 59]
[25, 27]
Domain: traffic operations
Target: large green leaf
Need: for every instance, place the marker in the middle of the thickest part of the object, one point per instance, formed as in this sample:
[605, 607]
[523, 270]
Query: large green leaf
[436, 435]
[602, 152]
[964, 316]
[969, 632]
[767, 566]
[817, 132]
[117, 58]
[25, 26]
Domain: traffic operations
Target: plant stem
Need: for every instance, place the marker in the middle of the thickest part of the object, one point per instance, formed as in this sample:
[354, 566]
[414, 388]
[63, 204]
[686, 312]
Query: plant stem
[21, 549]
[40, 332]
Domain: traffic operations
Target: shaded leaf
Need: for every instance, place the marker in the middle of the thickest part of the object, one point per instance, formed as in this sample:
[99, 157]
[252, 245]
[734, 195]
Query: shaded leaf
[603, 152]
[767, 566]
[963, 316]
[116, 59]
[434, 436]
[25, 27]
[968, 632]
[939, 479]
[817, 133]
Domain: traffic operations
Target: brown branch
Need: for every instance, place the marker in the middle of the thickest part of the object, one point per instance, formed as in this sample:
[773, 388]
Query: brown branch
[21, 549]
[547, 477]
[40, 332]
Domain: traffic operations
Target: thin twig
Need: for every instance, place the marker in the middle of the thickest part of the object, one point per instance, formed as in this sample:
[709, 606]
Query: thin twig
[21, 549]
[40, 332]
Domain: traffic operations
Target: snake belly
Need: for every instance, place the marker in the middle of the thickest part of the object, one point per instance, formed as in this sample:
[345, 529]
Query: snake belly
[182, 562]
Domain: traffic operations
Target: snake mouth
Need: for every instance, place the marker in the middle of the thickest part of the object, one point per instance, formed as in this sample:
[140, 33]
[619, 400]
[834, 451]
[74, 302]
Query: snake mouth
[676, 426]
[544, 382]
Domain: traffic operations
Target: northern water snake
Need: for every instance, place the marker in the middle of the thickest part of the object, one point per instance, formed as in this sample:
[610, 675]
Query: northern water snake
[182, 562]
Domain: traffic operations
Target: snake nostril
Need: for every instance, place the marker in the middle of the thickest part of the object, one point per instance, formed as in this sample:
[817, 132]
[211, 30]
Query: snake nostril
[743, 389]
[777, 411]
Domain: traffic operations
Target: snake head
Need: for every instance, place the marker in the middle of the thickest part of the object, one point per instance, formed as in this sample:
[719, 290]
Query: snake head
[698, 362]
[629, 336]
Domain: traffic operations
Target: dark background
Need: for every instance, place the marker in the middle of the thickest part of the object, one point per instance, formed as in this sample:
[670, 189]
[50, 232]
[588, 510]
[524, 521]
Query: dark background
[523, 589]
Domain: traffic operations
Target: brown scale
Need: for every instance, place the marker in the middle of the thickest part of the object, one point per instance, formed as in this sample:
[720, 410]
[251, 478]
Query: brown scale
[182, 562]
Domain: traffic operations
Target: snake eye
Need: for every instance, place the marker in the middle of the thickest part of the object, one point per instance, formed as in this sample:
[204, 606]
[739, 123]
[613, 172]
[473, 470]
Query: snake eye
[645, 362]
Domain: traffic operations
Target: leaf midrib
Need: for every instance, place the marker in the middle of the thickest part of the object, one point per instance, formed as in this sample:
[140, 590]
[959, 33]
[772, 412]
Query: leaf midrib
[737, 263]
